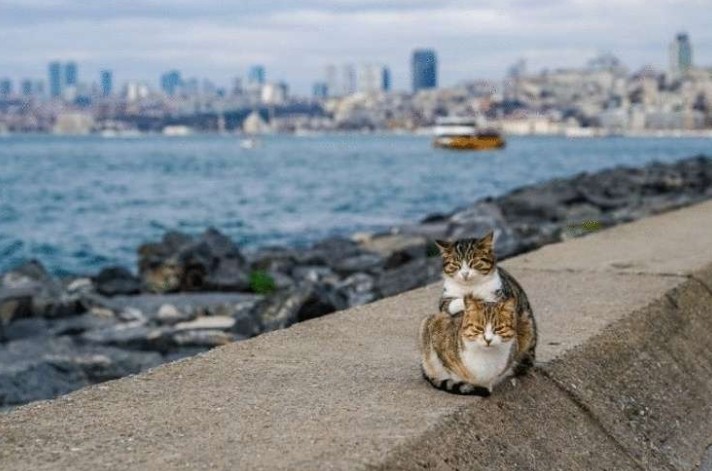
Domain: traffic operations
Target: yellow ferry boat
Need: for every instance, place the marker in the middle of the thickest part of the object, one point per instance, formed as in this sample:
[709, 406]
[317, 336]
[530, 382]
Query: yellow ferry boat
[464, 134]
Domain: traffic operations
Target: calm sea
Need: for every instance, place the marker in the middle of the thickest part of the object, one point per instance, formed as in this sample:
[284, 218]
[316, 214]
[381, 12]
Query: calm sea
[80, 203]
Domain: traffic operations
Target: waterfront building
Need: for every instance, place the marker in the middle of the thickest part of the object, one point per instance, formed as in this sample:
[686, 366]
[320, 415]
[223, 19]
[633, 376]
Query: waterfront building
[256, 75]
[274, 93]
[135, 91]
[5, 87]
[424, 69]
[55, 79]
[107, 83]
[680, 55]
[171, 82]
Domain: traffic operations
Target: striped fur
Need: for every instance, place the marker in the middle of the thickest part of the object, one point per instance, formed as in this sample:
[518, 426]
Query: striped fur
[470, 352]
[469, 267]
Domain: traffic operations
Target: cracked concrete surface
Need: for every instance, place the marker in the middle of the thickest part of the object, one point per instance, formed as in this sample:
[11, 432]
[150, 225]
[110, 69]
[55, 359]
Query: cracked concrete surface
[624, 381]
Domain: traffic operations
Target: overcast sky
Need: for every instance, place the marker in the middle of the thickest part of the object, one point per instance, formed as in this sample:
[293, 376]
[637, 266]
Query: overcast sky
[296, 39]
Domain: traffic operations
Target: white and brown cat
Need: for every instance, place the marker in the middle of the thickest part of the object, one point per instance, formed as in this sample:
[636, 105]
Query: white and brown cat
[473, 350]
[470, 268]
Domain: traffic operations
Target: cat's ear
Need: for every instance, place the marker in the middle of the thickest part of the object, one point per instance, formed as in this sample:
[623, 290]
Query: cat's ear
[443, 245]
[487, 242]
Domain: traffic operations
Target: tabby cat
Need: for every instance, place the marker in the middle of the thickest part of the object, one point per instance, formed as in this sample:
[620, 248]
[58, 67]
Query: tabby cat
[469, 267]
[470, 352]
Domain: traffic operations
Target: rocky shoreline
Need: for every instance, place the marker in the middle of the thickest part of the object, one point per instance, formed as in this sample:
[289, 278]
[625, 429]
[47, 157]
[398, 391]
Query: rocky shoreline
[192, 293]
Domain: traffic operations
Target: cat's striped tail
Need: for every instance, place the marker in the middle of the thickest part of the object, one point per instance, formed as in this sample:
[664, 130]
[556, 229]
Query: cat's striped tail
[455, 387]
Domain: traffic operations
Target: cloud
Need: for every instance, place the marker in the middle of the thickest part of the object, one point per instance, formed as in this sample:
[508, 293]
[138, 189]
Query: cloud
[295, 40]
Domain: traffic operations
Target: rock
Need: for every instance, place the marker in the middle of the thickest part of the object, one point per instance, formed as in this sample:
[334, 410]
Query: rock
[409, 276]
[134, 336]
[329, 252]
[396, 249]
[116, 280]
[279, 259]
[45, 367]
[363, 262]
[77, 325]
[429, 230]
[247, 323]
[201, 338]
[25, 328]
[168, 314]
[187, 305]
[282, 309]
[355, 290]
[210, 323]
[314, 274]
[29, 290]
[211, 262]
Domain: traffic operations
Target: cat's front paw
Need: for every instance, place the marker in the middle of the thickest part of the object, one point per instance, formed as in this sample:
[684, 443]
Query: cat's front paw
[456, 305]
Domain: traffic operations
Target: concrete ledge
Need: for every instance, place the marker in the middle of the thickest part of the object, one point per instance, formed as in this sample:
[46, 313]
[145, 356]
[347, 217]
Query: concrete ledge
[625, 381]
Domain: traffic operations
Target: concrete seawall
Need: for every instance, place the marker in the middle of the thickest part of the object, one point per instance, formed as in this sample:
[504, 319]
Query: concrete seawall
[624, 381]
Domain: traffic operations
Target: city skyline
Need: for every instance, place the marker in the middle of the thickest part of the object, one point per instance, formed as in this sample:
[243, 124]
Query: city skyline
[219, 42]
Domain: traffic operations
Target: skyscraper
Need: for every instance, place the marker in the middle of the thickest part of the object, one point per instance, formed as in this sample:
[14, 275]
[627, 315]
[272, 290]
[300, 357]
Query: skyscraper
[107, 83]
[256, 75]
[70, 74]
[332, 81]
[27, 88]
[386, 79]
[55, 79]
[680, 55]
[320, 90]
[348, 79]
[373, 78]
[171, 82]
[5, 87]
[424, 67]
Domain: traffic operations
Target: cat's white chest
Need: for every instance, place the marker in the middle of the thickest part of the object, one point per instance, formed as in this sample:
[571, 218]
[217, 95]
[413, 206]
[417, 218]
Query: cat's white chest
[487, 365]
[485, 289]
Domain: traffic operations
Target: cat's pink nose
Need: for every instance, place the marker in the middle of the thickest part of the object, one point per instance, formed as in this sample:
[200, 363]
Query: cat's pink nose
[466, 275]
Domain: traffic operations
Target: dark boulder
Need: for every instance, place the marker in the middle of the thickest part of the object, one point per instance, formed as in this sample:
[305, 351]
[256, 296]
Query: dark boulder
[210, 262]
[113, 281]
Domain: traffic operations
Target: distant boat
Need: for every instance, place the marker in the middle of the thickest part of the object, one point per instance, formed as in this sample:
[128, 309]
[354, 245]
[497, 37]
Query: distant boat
[462, 133]
[249, 143]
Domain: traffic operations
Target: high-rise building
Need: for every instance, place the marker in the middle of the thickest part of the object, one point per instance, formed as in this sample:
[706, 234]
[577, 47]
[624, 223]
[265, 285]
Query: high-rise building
[5, 87]
[320, 90]
[171, 82]
[348, 79]
[332, 80]
[27, 88]
[424, 68]
[373, 78]
[256, 75]
[237, 89]
[56, 81]
[386, 79]
[70, 74]
[107, 83]
[680, 55]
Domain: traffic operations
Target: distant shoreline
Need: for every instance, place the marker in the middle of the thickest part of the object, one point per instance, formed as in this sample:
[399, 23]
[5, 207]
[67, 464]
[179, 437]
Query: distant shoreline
[577, 133]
